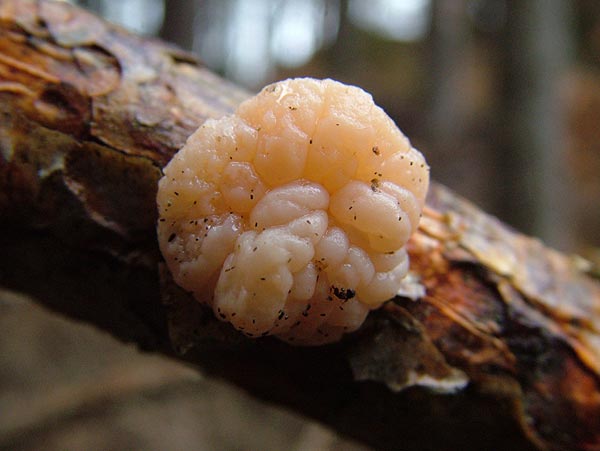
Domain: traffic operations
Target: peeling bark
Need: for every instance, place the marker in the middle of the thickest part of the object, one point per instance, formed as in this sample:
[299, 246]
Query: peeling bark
[494, 344]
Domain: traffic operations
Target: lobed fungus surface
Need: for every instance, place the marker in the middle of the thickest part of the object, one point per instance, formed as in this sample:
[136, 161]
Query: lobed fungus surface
[290, 217]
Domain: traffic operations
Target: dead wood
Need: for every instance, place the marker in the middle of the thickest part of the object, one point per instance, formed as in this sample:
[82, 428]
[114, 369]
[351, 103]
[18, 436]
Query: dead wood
[495, 343]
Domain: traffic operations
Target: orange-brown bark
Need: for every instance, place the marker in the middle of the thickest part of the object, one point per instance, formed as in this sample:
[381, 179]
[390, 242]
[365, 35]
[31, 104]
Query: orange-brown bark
[494, 344]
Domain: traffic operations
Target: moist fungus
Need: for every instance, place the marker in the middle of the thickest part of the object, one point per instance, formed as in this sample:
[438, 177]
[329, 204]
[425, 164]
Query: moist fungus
[273, 218]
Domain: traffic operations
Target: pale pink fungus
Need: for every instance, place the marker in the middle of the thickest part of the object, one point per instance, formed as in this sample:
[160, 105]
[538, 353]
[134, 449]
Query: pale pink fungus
[290, 218]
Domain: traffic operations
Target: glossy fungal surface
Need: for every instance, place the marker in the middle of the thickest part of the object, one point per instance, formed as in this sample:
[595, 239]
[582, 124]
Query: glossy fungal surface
[290, 217]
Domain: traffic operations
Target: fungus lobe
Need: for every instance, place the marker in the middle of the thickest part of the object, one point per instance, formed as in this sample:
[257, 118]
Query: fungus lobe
[290, 217]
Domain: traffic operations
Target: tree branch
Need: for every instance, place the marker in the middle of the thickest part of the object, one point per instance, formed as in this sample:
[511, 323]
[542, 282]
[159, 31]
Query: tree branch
[494, 344]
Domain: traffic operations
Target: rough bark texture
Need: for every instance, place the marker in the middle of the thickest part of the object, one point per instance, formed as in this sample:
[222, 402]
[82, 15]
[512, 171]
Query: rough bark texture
[494, 345]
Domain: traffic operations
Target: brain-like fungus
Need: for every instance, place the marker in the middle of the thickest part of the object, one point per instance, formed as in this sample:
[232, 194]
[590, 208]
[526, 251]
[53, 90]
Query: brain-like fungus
[290, 217]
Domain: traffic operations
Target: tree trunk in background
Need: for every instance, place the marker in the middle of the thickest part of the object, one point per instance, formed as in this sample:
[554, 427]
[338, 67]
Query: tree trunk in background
[178, 26]
[493, 342]
[536, 183]
[450, 120]
[344, 50]
[450, 38]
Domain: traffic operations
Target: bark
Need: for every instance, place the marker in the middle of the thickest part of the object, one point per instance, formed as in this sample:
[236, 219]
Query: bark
[494, 343]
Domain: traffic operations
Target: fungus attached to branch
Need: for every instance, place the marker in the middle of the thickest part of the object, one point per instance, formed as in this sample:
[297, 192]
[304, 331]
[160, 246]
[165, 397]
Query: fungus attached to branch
[290, 218]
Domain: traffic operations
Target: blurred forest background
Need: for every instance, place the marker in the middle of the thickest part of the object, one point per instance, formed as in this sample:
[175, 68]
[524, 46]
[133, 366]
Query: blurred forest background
[502, 96]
